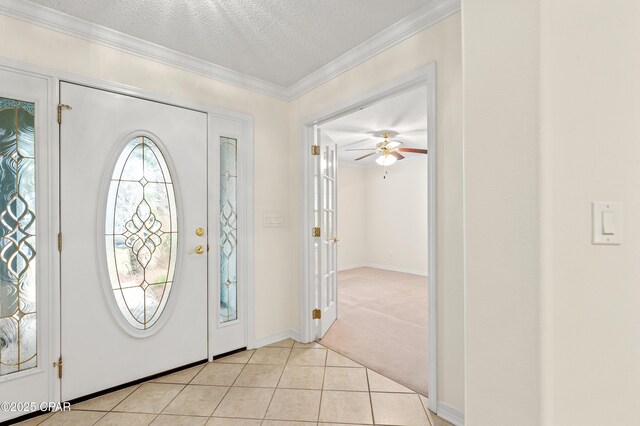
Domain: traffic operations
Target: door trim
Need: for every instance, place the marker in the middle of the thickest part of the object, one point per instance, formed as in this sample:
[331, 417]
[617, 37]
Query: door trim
[51, 172]
[424, 76]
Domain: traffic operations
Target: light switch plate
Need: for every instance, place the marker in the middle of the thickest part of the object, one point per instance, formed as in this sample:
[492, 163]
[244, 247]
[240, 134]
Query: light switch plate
[606, 218]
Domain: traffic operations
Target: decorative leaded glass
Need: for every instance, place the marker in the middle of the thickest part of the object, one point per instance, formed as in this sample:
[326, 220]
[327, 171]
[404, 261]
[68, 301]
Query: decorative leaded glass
[17, 237]
[141, 232]
[228, 230]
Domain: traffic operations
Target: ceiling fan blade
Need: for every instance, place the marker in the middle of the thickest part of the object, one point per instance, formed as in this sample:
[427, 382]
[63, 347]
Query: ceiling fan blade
[397, 155]
[360, 149]
[365, 156]
[414, 150]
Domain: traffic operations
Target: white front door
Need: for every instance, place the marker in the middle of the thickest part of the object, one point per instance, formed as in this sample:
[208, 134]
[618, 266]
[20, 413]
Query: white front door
[27, 375]
[326, 245]
[134, 238]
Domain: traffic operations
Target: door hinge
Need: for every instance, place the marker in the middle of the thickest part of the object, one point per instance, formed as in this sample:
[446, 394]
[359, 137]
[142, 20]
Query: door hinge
[59, 241]
[315, 232]
[316, 314]
[315, 149]
[60, 106]
[59, 365]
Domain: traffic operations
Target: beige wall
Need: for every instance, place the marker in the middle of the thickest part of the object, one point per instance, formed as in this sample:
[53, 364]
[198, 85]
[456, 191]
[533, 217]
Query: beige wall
[501, 71]
[590, 95]
[440, 43]
[273, 278]
[552, 100]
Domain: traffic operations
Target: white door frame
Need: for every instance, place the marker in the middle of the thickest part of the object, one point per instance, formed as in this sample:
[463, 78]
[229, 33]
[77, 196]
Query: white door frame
[424, 76]
[52, 172]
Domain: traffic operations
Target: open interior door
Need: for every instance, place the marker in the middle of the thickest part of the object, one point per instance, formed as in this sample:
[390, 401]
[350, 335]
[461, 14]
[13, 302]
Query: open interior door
[325, 231]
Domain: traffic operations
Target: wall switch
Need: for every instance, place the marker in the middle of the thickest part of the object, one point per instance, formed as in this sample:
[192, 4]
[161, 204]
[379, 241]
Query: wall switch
[273, 220]
[607, 222]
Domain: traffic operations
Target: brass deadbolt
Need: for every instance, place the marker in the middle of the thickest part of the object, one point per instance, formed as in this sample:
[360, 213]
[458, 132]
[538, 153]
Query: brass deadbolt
[200, 232]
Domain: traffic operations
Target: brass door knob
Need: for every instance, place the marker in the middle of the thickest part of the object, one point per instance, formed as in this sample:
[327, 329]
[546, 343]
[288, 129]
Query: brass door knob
[199, 250]
[200, 232]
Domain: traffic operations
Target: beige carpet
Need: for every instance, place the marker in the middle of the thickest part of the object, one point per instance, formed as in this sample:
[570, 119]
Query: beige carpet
[382, 324]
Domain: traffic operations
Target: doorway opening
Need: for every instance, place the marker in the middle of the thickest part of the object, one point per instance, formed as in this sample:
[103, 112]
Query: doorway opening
[369, 262]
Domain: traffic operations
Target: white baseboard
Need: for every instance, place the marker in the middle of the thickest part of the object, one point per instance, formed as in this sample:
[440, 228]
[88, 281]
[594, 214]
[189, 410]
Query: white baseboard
[352, 266]
[398, 269]
[385, 267]
[286, 334]
[450, 414]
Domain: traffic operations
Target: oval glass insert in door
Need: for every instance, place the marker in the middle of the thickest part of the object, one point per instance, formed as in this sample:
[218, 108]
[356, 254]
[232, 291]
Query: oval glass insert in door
[141, 232]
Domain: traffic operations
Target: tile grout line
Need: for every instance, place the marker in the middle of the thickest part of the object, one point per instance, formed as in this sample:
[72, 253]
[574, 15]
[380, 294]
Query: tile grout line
[232, 383]
[196, 375]
[276, 388]
[373, 417]
[101, 417]
[324, 374]
[184, 386]
[426, 410]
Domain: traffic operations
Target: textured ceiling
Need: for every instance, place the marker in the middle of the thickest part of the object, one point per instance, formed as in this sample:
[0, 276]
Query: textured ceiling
[404, 114]
[279, 41]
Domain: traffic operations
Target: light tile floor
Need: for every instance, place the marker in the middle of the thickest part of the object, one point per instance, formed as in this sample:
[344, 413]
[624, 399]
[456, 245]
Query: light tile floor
[284, 384]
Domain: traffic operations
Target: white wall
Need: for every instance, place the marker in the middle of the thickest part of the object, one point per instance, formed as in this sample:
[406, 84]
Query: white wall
[389, 216]
[397, 216]
[273, 277]
[441, 43]
[352, 217]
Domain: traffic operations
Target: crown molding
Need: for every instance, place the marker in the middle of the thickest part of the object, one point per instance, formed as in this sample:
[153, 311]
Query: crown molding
[422, 19]
[49, 18]
[43, 16]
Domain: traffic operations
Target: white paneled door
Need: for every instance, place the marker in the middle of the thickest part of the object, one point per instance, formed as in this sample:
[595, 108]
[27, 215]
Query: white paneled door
[325, 245]
[134, 238]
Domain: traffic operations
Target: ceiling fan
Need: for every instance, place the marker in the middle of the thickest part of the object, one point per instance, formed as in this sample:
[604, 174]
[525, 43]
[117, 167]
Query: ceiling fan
[389, 150]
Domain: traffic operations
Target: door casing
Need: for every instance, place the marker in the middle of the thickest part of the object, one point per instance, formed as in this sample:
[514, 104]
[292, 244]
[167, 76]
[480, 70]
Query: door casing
[424, 76]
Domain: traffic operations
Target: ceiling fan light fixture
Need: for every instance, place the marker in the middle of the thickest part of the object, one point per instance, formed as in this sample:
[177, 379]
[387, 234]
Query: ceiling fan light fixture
[386, 160]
